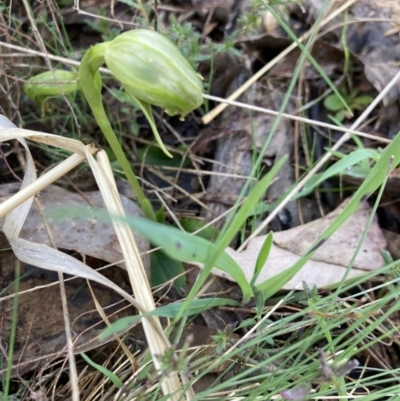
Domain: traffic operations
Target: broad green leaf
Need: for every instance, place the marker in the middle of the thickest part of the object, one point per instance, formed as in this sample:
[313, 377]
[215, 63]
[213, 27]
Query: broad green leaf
[333, 103]
[191, 225]
[152, 155]
[358, 171]
[363, 100]
[188, 248]
[163, 269]
[174, 242]
[340, 115]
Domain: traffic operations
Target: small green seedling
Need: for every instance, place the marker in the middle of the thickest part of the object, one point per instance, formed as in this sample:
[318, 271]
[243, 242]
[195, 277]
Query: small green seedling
[353, 100]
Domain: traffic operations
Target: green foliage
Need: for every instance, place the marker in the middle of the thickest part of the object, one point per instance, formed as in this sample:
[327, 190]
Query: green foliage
[251, 20]
[164, 268]
[189, 248]
[262, 257]
[103, 26]
[50, 84]
[355, 164]
[154, 156]
[112, 377]
[388, 161]
[190, 42]
[222, 339]
[352, 99]
[192, 225]
[170, 311]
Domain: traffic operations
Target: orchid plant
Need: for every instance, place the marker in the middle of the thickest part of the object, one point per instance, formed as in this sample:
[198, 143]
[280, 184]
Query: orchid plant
[152, 71]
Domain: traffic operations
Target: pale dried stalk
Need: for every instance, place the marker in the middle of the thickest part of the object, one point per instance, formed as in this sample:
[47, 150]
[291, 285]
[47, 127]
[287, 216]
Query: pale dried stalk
[296, 118]
[158, 344]
[17, 208]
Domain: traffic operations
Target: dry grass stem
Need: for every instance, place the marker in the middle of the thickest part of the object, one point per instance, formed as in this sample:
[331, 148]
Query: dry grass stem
[323, 160]
[297, 118]
[43, 256]
[221, 107]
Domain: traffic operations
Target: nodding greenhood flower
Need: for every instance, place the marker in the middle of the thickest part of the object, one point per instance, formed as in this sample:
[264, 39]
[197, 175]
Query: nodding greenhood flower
[51, 84]
[154, 71]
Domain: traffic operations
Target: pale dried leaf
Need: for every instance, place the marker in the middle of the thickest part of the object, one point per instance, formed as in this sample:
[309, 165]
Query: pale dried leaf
[48, 258]
[95, 238]
[329, 263]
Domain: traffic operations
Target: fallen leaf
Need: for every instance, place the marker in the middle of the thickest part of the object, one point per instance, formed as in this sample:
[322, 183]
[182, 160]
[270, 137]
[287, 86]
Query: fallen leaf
[96, 239]
[329, 263]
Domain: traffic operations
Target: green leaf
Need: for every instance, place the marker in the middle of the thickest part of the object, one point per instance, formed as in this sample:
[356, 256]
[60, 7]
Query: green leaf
[340, 167]
[390, 157]
[188, 248]
[160, 215]
[197, 306]
[262, 257]
[114, 378]
[154, 156]
[333, 103]
[163, 269]
[217, 251]
[191, 225]
[358, 171]
[363, 100]
[175, 243]
[340, 115]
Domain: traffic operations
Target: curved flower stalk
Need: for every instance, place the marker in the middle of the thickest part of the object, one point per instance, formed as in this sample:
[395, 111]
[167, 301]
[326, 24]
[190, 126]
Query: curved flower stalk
[153, 72]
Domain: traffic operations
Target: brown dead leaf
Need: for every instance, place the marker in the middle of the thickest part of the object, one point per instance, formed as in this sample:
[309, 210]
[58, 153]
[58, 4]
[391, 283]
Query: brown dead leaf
[329, 263]
[96, 239]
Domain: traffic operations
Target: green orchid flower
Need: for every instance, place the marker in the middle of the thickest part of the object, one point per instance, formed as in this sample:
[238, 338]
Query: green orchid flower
[51, 84]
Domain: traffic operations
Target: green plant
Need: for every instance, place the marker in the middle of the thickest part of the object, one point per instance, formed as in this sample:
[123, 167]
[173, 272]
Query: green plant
[352, 99]
[191, 43]
[356, 164]
[111, 376]
[153, 72]
[295, 364]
